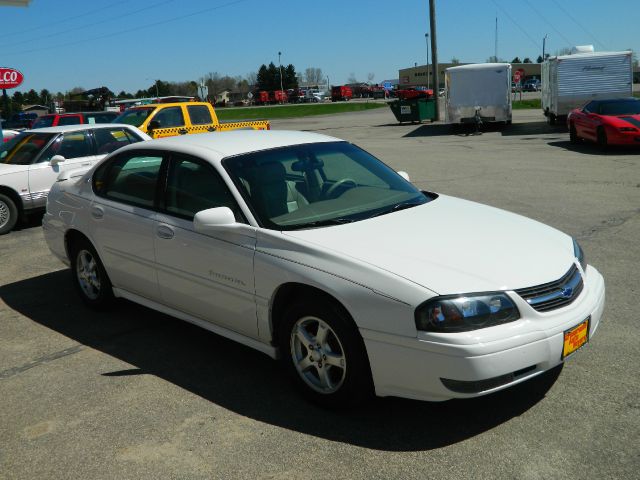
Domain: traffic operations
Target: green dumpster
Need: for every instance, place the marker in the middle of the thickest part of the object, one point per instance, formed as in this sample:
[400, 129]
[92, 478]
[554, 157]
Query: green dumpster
[414, 110]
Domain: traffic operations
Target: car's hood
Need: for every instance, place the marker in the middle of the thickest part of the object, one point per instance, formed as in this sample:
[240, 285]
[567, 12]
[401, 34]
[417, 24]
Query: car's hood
[453, 246]
[624, 120]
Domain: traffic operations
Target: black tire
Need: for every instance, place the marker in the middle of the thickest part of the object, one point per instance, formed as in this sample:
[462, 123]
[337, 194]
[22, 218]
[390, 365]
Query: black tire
[8, 214]
[603, 143]
[551, 119]
[89, 276]
[346, 378]
[573, 134]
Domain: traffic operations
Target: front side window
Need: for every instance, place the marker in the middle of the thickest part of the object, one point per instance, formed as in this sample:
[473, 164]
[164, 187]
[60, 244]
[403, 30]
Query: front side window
[130, 178]
[110, 139]
[169, 117]
[193, 185]
[317, 184]
[23, 149]
[70, 145]
[43, 122]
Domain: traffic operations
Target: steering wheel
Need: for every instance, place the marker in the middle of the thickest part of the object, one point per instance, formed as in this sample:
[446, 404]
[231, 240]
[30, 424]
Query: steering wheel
[343, 183]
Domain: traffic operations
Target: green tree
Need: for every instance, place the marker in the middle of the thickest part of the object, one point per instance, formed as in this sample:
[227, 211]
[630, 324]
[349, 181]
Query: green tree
[455, 61]
[527, 60]
[539, 59]
[31, 97]
[516, 60]
[290, 78]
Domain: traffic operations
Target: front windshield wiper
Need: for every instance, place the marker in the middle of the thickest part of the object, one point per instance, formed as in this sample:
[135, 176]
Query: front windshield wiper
[395, 208]
[324, 223]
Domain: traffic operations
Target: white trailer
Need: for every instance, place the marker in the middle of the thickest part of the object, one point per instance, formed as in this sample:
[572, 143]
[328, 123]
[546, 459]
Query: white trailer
[486, 86]
[569, 81]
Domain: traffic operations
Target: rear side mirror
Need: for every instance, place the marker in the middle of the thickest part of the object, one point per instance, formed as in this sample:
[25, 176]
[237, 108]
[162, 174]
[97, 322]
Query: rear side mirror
[56, 159]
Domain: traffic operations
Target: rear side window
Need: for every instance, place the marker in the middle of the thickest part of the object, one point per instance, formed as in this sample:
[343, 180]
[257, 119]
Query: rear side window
[110, 139]
[199, 114]
[130, 179]
[70, 120]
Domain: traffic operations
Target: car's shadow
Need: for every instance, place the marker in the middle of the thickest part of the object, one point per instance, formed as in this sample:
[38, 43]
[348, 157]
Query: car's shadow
[527, 129]
[589, 148]
[248, 382]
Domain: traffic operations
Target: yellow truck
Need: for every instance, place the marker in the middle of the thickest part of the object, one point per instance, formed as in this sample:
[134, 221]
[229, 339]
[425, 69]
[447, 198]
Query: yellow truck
[181, 118]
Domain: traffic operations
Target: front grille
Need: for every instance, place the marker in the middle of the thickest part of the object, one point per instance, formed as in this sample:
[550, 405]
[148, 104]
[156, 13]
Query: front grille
[552, 295]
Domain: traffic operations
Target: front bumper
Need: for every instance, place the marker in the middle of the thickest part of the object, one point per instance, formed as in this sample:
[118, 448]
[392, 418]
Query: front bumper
[415, 367]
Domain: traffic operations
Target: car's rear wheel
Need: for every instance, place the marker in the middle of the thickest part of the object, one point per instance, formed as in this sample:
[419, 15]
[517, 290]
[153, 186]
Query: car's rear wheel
[573, 134]
[325, 354]
[8, 214]
[90, 278]
[603, 142]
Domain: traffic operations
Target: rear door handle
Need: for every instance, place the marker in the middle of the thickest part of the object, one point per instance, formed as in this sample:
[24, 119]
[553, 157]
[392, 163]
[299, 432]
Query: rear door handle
[182, 131]
[165, 231]
[97, 212]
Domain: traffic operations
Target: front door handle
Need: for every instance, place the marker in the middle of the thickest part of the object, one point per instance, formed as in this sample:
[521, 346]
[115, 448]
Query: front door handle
[182, 131]
[165, 231]
[97, 212]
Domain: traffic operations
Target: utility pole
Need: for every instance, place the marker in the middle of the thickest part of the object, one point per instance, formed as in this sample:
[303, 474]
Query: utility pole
[434, 54]
[426, 36]
[544, 44]
[495, 46]
[280, 67]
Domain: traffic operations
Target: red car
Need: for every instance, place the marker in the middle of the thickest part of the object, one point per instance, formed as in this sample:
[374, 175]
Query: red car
[606, 122]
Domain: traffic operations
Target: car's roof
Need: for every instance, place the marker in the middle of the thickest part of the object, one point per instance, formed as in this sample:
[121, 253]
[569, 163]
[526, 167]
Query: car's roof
[67, 114]
[616, 100]
[235, 142]
[77, 127]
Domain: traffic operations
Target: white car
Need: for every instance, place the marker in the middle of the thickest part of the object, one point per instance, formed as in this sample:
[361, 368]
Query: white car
[31, 161]
[8, 135]
[306, 247]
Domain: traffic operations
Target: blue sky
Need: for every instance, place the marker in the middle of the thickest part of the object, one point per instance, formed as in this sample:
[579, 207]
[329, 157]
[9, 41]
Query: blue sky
[126, 45]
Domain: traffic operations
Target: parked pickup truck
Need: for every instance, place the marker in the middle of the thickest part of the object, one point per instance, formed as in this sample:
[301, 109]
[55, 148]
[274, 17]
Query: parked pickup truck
[170, 119]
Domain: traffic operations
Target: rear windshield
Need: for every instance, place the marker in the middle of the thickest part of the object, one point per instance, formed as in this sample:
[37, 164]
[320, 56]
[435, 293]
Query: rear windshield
[43, 122]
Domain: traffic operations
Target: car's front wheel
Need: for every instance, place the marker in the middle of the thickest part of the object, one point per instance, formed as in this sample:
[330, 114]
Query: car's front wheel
[325, 354]
[573, 134]
[603, 142]
[90, 278]
[8, 214]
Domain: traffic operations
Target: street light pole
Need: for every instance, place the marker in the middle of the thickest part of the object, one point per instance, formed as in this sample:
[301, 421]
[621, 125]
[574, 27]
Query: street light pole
[426, 36]
[544, 44]
[280, 67]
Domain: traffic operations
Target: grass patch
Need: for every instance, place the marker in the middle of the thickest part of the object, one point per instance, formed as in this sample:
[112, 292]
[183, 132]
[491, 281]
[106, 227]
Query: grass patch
[523, 104]
[293, 111]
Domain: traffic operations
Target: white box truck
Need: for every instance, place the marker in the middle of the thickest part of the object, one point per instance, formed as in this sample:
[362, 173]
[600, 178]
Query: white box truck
[570, 81]
[486, 86]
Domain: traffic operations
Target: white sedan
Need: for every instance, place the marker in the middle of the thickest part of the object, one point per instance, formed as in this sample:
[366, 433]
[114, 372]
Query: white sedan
[306, 247]
[31, 161]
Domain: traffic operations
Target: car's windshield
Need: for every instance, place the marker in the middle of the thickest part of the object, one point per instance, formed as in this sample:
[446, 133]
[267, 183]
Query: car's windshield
[318, 184]
[626, 107]
[134, 116]
[24, 148]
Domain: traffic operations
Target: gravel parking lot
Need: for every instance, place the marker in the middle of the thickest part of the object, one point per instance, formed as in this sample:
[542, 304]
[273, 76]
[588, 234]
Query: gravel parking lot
[135, 394]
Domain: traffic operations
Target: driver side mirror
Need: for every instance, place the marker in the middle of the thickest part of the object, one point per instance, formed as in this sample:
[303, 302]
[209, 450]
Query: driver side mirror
[213, 219]
[56, 159]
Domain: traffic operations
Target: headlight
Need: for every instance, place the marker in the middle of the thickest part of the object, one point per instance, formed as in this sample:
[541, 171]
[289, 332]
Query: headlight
[579, 254]
[462, 313]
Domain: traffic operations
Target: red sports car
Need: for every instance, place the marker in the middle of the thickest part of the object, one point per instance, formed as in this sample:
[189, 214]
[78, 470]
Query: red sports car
[606, 122]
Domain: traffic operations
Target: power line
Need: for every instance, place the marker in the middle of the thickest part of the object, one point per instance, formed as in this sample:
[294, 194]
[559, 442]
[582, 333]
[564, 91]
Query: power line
[129, 30]
[65, 20]
[579, 24]
[88, 25]
[569, 43]
[537, 45]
